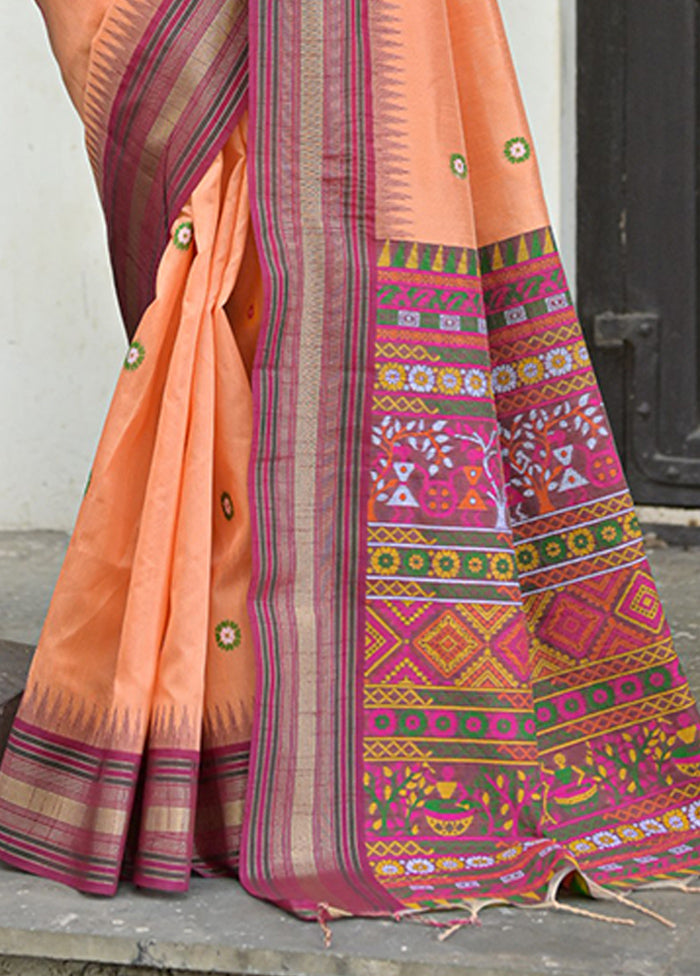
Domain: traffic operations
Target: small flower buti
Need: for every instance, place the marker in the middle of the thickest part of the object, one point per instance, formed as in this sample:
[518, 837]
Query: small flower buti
[135, 356]
[458, 165]
[183, 235]
[517, 150]
[228, 635]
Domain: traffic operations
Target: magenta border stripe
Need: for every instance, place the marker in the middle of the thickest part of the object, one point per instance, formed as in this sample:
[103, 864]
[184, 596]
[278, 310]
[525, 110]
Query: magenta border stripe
[141, 206]
[75, 745]
[342, 875]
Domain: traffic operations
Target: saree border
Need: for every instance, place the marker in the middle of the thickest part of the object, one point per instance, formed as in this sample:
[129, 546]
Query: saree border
[167, 84]
[314, 228]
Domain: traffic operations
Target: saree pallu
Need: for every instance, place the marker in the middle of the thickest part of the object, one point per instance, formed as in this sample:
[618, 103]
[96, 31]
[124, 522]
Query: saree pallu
[356, 605]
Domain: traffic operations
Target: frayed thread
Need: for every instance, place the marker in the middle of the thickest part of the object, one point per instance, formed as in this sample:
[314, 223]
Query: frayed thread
[560, 906]
[451, 926]
[643, 910]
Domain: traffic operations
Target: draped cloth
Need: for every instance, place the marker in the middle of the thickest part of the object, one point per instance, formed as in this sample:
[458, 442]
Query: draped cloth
[356, 605]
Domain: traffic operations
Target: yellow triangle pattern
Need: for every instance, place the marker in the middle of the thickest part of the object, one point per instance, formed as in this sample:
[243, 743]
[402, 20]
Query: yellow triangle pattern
[523, 253]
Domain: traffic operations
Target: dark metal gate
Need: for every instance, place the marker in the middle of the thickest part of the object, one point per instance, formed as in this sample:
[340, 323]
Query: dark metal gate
[639, 233]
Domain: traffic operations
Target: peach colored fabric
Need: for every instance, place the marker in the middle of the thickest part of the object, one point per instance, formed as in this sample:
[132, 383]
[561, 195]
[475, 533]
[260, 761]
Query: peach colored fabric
[147, 570]
[154, 564]
[72, 28]
[422, 99]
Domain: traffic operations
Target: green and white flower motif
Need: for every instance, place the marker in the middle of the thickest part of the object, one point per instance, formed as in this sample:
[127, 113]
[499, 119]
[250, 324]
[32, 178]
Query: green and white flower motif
[135, 356]
[183, 235]
[517, 150]
[458, 165]
[227, 506]
[228, 635]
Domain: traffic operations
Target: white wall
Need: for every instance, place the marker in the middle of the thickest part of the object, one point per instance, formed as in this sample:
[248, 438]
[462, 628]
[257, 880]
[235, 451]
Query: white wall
[61, 343]
[60, 338]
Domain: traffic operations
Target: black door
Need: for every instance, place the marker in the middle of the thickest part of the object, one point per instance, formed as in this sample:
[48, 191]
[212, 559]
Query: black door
[639, 233]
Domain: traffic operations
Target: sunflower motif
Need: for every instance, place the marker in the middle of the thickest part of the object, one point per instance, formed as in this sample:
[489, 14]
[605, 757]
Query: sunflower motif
[502, 566]
[389, 869]
[458, 165]
[558, 362]
[582, 847]
[183, 235]
[609, 533]
[419, 865]
[449, 381]
[421, 379]
[417, 563]
[479, 861]
[505, 378]
[581, 542]
[630, 833]
[228, 635]
[581, 354]
[528, 557]
[385, 561]
[606, 839]
[530, 370]
[135, 356]
[511, 853]
[477, 565]
[676, 820]
[630, 526]
[517, 150]
[652, 827]
[554, 549]
[446, 564]
[694, 813]
[475, 383]
[449, 864]
[392, 376]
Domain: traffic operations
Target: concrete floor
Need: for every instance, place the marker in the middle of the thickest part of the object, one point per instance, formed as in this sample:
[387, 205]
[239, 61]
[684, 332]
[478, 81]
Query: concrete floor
[49, 930]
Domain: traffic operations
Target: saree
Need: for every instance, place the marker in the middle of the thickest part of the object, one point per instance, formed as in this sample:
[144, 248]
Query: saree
[356, 607]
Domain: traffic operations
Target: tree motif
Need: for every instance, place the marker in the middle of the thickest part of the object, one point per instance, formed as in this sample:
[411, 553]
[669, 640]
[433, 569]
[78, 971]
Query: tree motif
[420, 440]
[490, 450]
[538, 448]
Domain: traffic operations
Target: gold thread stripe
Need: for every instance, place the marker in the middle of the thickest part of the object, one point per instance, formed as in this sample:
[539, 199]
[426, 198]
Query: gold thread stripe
[309, 370]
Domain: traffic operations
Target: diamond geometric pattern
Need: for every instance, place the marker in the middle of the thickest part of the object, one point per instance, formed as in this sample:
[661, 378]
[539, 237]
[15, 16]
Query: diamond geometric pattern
[448, 643]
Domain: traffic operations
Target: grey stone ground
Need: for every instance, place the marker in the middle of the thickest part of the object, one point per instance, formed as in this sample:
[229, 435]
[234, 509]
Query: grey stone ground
[48, 930]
